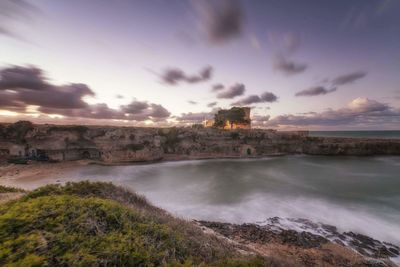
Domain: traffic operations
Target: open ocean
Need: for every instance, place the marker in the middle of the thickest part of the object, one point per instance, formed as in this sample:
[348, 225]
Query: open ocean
[358, 134]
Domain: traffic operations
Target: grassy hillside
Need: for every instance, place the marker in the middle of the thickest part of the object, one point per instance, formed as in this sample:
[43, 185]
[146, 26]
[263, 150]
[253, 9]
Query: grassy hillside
[99, 224]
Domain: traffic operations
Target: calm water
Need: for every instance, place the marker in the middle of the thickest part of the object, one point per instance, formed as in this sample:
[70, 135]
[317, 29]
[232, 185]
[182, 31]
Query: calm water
[354, 193]
[358, 134]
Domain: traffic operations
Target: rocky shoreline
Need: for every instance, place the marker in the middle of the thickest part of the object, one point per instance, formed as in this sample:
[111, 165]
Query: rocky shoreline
[309, 243]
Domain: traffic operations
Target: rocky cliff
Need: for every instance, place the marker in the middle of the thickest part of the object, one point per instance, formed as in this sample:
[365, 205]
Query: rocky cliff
[133, 144]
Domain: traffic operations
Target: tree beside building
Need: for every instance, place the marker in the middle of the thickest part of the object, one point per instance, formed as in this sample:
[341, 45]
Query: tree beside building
[234, 118]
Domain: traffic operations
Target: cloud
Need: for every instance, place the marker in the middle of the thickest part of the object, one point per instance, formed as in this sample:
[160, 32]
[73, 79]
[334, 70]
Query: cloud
[95, 111]
[288, 67]
[192, 102]
[217, 87]
[135, 111]
[268, 97]
[291, 42]
[361, 16]
[212, 104]
[22, 87]
[284, 47]
[362, 104]
[233, 91]
[361, 112]
[22, 77]
[222, 20]
[286, 43]
[255, 42]
[247, 100]
[174, 76]
[317, 90]
[349, 78]
[157, 112]
[194, 117]
[259, 121]
[27, 86]
[135, 107]
[253, 99]
[12, 13]
[334, 84]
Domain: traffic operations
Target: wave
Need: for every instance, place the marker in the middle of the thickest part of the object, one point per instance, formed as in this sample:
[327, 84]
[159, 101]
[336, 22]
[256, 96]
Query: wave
[258, 208]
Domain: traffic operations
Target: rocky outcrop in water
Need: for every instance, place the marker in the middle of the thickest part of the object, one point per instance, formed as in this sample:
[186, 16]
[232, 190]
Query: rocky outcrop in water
[312, 244]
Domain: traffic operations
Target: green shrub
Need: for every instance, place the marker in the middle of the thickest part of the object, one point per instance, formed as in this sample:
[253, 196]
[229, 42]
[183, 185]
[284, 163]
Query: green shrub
[235, 135]
[69, 230]
[135, 147]
[7, 189]
[72, 128]
[93, 189]
[19, 130]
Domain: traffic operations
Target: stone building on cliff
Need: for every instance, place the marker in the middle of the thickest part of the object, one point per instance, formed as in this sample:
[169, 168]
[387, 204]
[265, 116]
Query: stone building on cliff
[234, 118]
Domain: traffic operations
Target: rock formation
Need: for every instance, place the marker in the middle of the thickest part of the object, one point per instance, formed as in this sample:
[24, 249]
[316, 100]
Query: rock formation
[134, 144]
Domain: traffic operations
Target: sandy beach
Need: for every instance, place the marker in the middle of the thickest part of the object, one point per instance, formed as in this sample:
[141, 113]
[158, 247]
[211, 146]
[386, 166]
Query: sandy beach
[9, 173]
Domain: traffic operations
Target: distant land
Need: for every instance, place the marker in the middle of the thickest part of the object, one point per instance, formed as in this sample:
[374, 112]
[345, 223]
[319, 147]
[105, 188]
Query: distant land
[385, 134]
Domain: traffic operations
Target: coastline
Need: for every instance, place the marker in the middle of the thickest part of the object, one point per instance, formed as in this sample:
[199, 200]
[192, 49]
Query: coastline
[35, 171]
[43, 170]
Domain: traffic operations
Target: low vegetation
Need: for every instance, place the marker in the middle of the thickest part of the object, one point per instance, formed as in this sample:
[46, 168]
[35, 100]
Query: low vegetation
[135, 147]
[99, 224]
[7, 189]
[16, 131]
[72, 128]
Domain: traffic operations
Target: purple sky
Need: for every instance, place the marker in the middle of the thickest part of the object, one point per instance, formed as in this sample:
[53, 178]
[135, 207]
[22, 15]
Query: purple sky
[306, 64]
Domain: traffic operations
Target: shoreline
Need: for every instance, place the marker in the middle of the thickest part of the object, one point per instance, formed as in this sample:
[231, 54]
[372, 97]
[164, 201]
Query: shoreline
[43, 170]
[35, 171]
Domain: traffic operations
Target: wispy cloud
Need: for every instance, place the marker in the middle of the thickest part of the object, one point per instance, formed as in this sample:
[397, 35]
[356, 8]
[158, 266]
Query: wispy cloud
[317, 90]
[253, 99]
[221, 20]
[260, 121]
[217, 87]
[14, 12]
[285, 46]
[349, 78]
[332, 85]
[288, 67]
[193, 117]
[212, 104]
[174, 76]
[235, 90]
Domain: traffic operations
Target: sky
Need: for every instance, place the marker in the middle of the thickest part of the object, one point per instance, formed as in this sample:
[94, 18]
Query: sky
[305, 64]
